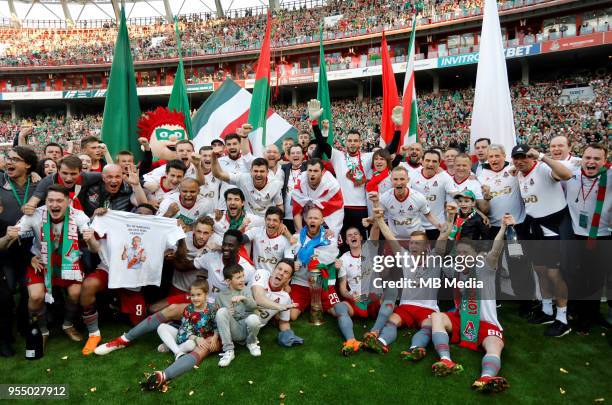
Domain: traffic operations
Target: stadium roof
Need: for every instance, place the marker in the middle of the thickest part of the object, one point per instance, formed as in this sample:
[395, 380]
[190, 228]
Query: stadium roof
[23, 11]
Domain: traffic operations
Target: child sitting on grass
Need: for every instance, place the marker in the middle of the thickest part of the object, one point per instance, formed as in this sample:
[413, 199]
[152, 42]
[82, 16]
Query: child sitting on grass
[197, 336]
[197, 323]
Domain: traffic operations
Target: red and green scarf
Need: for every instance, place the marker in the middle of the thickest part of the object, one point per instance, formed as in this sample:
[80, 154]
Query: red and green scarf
[69, 266]
[355, 173]
[455, 233]
[377, 178]
[601, 195]
[467, 301]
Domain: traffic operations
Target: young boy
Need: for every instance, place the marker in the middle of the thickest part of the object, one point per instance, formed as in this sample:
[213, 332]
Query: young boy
[195, 339]
[468, 221]
[236, 318]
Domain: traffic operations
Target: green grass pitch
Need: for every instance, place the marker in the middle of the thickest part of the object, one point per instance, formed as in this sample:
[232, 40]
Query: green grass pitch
[572, 370]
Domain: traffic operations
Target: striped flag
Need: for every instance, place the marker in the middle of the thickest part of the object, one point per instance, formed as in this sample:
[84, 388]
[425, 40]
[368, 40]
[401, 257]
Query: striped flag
[390, 96]
[410, 124]
[261, 96]
[227, 109]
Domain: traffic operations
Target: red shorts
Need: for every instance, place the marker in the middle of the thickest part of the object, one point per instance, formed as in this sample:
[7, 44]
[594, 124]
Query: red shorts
[485, 329]
[132, 304]
[33, 277]
[412, 315]
[301, 296]
[101, 276]
[370, 312]
[176, 296]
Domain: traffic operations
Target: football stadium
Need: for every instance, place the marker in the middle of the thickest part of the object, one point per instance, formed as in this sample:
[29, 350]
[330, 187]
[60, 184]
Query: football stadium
[306, 201]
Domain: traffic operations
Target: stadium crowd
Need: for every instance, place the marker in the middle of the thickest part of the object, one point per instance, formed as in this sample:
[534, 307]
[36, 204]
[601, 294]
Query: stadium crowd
[240, 238]
[202, 36]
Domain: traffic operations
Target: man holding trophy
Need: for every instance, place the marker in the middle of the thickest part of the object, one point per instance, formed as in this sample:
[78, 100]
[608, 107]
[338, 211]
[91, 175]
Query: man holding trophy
[313, 284]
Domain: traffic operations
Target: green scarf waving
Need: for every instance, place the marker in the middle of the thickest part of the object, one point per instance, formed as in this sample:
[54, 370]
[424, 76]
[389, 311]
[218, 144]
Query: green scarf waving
[601, 195]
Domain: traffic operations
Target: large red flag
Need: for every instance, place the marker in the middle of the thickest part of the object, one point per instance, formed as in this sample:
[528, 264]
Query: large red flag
[390, 96]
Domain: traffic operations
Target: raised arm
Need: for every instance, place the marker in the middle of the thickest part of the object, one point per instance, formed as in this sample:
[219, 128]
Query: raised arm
[217, 171]
[314, 113]
[492, 258]
[559, 170]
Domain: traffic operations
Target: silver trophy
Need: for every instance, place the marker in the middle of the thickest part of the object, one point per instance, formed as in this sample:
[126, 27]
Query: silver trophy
[316, 308]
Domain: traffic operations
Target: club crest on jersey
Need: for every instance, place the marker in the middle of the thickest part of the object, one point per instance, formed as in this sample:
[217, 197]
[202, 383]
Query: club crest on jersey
[468, 332]
[435, 183]
[410, 207]
[506, 174]
[531, 182]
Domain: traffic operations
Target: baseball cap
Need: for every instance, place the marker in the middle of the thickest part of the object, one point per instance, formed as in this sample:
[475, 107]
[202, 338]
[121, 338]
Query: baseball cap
[466, 193]
[520, 149]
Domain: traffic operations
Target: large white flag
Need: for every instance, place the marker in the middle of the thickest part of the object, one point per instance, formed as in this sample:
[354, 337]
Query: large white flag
[492, 114]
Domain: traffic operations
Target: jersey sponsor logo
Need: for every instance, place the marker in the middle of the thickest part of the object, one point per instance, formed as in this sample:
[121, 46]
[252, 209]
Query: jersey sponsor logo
[503, 191]
[263, 260]
[406, 221]
[209, 195]
[431, 198]
[532, 199]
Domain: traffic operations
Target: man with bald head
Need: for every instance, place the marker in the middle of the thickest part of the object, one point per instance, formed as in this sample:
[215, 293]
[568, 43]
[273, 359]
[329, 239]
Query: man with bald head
[116, 191]
[560, 150]
[187, 205]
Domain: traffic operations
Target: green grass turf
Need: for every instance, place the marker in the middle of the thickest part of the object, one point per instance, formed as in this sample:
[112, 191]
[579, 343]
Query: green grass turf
[317, 373]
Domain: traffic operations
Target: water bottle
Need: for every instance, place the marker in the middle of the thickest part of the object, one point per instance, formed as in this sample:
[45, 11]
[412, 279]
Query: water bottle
[34, 341]
[515, 250]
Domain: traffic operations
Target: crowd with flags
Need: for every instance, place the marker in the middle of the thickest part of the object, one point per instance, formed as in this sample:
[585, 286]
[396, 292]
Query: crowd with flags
[206, 228]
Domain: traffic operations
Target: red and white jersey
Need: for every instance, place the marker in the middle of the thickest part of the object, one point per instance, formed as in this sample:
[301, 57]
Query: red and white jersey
[405, 216]
[351, 269]
[33, 224]
[437, 189]
[572, 162]
[327, 196]
[257, 200]
[354, 196]
[505, 193]
[294, 175]
[160, 191]
[542, 194]
[213, 262]
[231, 166]
[581, 199]
[187, 215]
[469, 184]
[223, 225]
[209, 191]
[183, 279]
[262, 279]
[266, 251]
[160, 171]
[412, 170]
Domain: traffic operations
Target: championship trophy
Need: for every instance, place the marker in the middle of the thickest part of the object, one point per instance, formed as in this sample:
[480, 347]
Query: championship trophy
[316, 308]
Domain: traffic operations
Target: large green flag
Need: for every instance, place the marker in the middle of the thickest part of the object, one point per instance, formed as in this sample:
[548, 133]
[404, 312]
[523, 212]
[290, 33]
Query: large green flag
[121, 107]
[178, 98]
[260, 102]
[323, 90]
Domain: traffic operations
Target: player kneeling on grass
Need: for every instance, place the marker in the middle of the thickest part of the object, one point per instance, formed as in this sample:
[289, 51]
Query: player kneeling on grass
[274, 302]
[417, 303]
[236, 318]
[195, 339]
[475, 323]
[353, 286]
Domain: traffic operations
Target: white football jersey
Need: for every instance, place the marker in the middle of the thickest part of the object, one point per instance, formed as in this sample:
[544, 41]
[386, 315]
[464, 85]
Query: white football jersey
[437, 189]
[542, 194]
[188, 215]
[404, 217]
[354, 196]
[262, 279]
[266, 251]
[505, 193]
[213, 262]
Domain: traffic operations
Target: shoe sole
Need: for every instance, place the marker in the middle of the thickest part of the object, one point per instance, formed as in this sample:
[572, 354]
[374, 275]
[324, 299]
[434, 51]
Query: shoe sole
[542, 323]
[561, 335]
